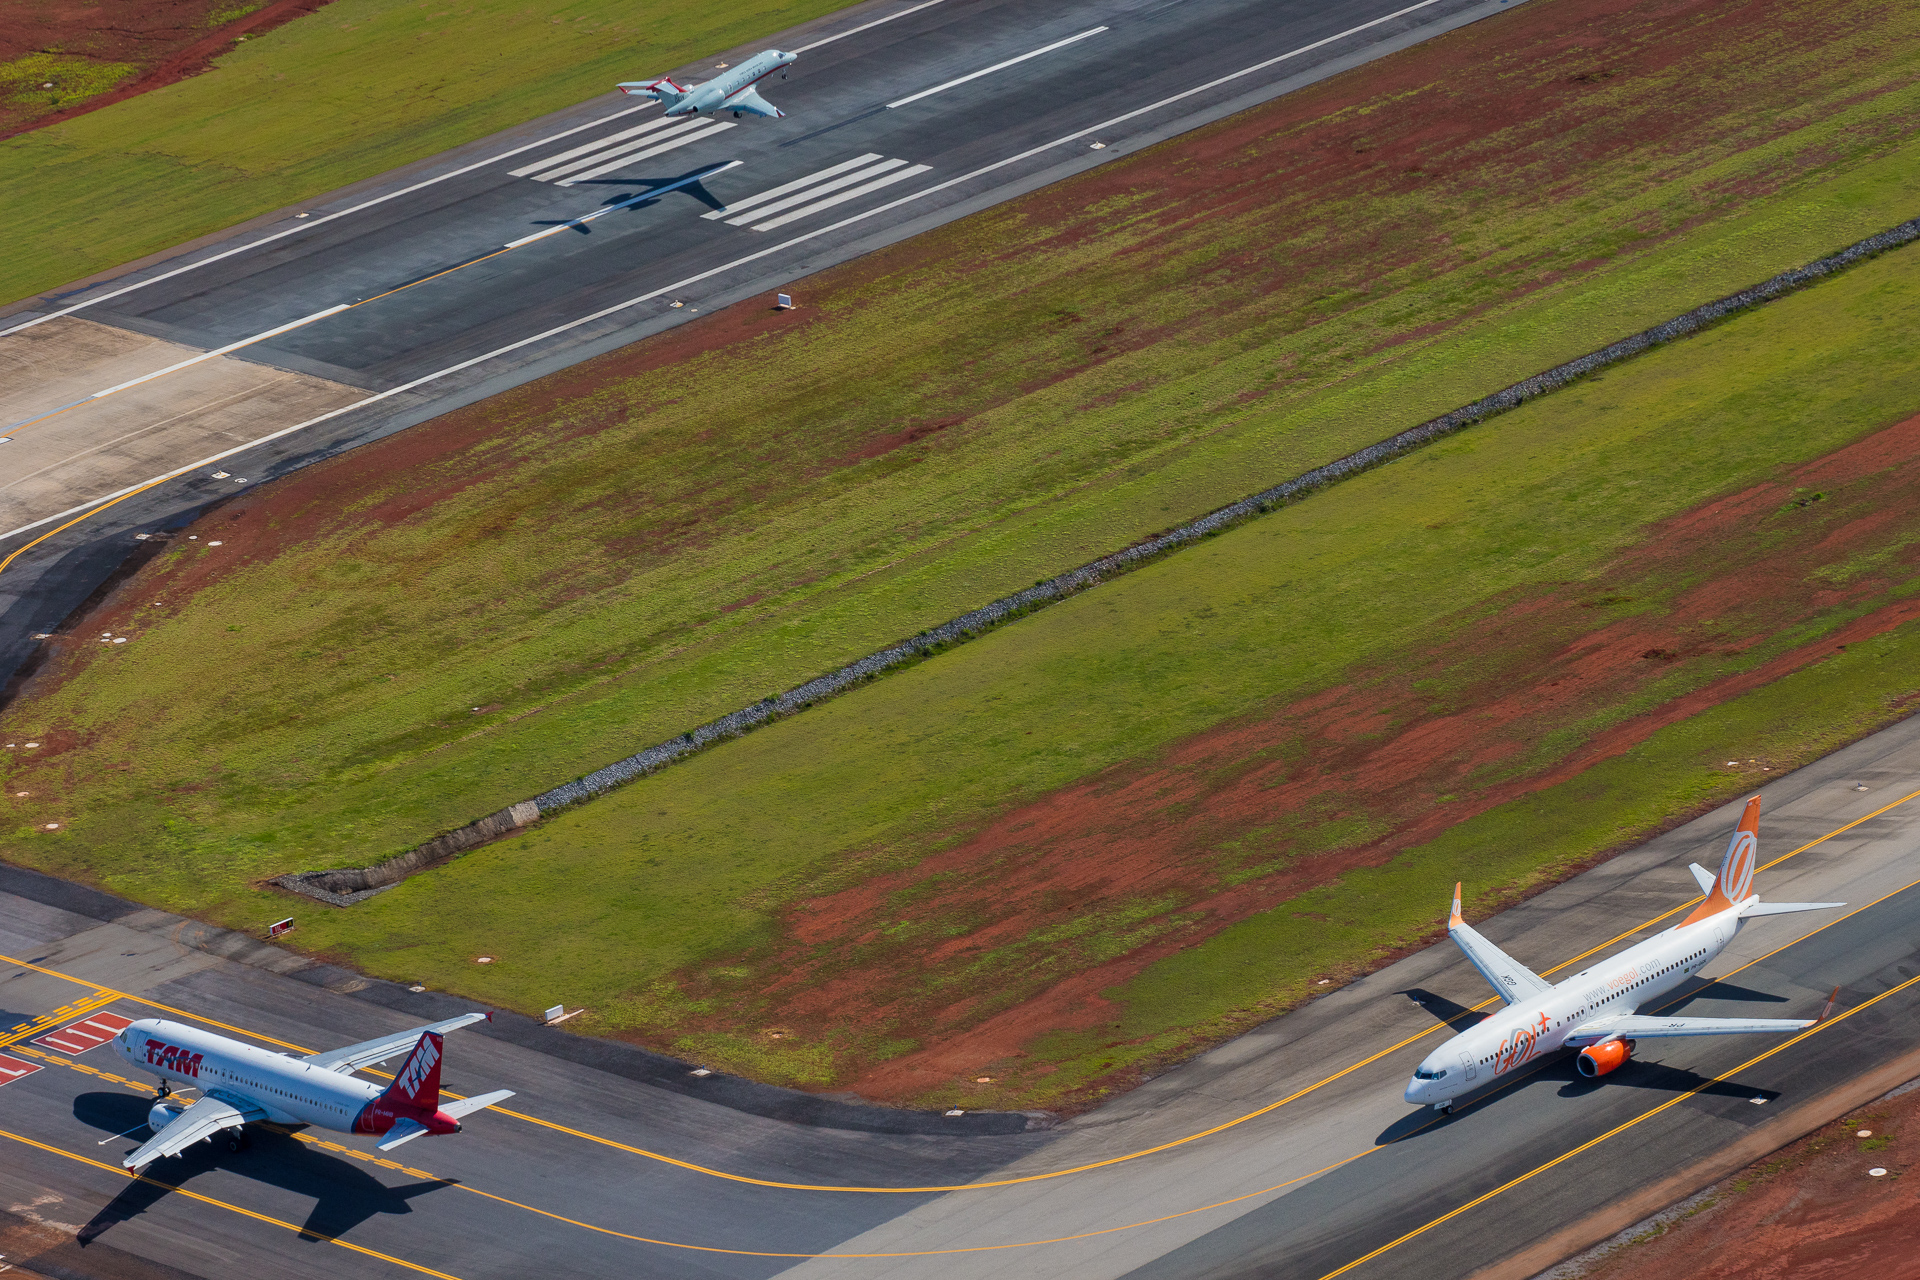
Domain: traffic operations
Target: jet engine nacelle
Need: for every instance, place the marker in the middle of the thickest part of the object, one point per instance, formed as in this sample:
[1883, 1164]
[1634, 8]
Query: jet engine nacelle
[163, 1114]
[1597, 1060]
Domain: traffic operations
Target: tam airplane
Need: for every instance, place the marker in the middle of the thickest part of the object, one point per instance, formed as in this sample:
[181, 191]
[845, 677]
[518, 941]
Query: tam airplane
[1594, 1010]
[732, 91]
[241, 1085]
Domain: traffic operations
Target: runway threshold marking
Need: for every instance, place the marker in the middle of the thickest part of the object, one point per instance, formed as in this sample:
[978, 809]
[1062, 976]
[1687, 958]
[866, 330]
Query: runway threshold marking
[94, 506]
[88, 1033]
[1037, 1177]
[998, 66]
[1591, 1143]
[12, 1069]
[310, 223]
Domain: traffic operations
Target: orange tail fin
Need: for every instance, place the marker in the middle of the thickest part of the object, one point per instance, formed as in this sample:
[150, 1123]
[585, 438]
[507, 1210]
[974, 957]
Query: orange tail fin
[1735, 881]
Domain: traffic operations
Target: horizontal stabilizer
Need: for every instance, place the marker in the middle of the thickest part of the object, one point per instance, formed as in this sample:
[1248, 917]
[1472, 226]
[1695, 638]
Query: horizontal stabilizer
[1636, 1027]
[467, 1106]
[403, 1130]
[1787, 908]
[1701, 877]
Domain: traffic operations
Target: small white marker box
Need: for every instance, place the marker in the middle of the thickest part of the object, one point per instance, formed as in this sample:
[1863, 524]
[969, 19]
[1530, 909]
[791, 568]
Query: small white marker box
[554, 1013]
[783, 302]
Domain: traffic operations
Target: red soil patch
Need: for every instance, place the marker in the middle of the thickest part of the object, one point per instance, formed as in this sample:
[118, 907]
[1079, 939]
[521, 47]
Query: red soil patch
[169, 39]
[1220, 827]
[1809, 1211]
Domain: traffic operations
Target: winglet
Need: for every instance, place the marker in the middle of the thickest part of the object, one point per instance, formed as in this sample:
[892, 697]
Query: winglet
[1828, 1011]
[1455, 920]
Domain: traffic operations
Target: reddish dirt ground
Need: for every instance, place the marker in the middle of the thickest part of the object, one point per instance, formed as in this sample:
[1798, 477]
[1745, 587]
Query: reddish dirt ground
[1384, 746]
[168, 39]
[1810, 1211]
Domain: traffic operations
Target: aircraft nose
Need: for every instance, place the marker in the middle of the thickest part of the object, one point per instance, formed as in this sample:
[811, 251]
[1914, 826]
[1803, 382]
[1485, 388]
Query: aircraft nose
[1415, 1088]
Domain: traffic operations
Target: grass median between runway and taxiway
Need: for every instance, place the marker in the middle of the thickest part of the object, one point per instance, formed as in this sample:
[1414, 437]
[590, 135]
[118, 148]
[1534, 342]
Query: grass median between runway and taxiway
[361, 87]
[941, 874]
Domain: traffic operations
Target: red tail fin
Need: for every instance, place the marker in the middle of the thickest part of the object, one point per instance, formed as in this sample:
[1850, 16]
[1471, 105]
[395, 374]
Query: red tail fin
[418, 1083]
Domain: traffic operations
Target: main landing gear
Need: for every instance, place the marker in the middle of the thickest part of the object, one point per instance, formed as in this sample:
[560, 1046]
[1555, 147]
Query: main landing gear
[238, 1140]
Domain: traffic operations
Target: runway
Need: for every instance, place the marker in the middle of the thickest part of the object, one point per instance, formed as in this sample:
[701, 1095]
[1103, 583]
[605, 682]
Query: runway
[1287, 1152]
[398, 299]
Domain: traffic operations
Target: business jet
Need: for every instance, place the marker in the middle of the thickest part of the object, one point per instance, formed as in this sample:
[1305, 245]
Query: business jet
[1594, 1010]
[241, 1085]
[733, 91]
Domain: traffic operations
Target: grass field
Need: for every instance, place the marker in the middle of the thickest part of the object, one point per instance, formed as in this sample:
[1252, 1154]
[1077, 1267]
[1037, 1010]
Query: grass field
[358, 88]
[535, 586]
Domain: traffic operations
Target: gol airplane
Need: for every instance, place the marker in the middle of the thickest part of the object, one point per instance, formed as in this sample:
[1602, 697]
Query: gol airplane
[1593, 1010]
[241, 1085]
[732, 91]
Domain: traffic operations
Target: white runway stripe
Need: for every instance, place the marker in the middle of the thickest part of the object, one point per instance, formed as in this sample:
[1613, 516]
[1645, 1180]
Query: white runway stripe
[604, 154]
[844, 180]
[830, 201]
[795, 185]
[595, 145]
[987, 71]
[638, 156]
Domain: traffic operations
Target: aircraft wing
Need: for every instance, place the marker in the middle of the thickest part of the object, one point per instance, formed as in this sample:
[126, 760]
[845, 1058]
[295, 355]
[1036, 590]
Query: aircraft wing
[1637, 1027]
[367, 1052]
[202, 1120]
[1511, 979]
[753, 104]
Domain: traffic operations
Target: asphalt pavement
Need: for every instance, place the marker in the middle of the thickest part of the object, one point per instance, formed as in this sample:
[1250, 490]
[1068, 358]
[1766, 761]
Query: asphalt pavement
[406, 296]
[1287, 1152]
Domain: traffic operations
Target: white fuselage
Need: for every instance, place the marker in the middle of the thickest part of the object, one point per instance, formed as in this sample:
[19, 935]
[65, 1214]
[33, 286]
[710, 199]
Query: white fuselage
[713, 95]
[288, 1090]
[1523, 1031]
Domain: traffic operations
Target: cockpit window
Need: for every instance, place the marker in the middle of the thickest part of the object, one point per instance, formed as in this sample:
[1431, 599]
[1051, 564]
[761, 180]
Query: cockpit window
[1421, 1073]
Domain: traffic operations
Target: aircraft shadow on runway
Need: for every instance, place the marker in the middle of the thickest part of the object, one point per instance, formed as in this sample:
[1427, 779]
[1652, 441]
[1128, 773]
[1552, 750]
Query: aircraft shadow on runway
[344, 1195]
[1709, 989]
[698, 190]
[1457, 1016]
[1636, 1073]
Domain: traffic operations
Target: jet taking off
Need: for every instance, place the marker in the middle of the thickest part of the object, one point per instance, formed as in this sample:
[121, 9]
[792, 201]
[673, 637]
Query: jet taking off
[1594, 1009]
[240, 1085]
[732, 91]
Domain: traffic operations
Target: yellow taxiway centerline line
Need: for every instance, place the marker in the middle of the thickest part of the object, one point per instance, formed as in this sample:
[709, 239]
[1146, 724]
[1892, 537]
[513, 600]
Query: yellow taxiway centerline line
[1591, 1143]
[1131, 1226]
[1035, 1177]
[232, 1208]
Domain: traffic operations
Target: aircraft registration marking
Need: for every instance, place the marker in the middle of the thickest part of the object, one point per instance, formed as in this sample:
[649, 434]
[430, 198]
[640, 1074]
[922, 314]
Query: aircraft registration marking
[89, 1032]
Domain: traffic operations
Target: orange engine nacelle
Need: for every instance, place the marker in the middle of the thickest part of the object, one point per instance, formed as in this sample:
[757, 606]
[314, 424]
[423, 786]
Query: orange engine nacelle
[1599, 1059]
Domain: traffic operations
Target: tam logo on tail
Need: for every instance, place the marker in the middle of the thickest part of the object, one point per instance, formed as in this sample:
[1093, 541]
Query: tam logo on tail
[419, 1080]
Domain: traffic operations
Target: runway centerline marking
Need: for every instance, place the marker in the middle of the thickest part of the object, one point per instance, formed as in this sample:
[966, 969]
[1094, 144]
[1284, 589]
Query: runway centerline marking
[998, 66]
[93, 506]
[868, 26]
[110, 995]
